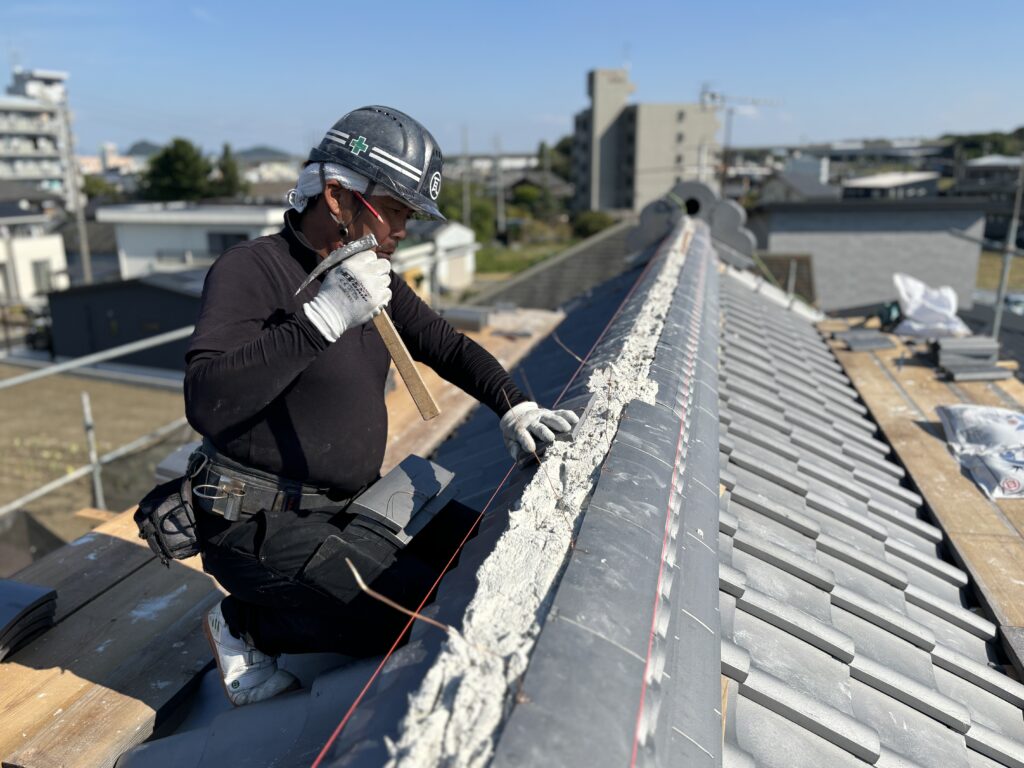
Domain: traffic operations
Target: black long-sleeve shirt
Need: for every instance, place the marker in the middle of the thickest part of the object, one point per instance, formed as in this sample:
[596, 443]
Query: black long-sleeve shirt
[270, 392]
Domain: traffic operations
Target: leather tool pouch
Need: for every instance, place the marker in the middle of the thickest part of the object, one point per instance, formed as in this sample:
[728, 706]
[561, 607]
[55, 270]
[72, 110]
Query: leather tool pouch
[167, 522]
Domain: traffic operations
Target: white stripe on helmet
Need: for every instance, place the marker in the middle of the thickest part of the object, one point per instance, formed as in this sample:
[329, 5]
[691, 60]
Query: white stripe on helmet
[400, 161]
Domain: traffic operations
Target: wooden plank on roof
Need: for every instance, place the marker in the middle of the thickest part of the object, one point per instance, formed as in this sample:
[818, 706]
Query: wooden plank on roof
[902, 396]
[99, 515]
[89, 565]
[1013, 388]
[985, 537]
[94, 685]
[509, 337]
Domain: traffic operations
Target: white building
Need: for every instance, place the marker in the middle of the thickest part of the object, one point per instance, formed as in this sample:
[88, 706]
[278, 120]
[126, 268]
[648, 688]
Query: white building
[440, 256]
[166, 237]
[155, 237]
[32, 130]
[894, 185]
[32, 262]
[482, 166]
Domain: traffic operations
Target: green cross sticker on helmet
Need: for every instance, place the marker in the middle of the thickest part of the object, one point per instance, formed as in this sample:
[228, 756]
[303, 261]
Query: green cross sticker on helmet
[395, 152]
[359, 145]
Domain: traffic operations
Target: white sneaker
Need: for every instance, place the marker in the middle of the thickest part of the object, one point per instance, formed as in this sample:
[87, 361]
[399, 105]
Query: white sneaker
[249, 675]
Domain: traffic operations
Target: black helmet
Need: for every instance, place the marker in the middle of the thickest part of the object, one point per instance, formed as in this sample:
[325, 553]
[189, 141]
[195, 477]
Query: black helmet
[392, 150]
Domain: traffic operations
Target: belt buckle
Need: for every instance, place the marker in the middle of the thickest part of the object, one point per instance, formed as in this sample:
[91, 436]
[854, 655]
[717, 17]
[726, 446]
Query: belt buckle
[228, 503]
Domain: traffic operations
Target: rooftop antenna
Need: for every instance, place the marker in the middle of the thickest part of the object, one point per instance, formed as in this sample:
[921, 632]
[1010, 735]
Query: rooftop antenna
[719, 100]
[15, 57]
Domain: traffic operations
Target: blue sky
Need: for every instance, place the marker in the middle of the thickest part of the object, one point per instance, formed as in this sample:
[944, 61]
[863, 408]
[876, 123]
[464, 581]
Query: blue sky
[263, 73]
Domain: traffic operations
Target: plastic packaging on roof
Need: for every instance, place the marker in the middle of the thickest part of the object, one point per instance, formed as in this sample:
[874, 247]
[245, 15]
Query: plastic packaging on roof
[927, 311]
[990, 444]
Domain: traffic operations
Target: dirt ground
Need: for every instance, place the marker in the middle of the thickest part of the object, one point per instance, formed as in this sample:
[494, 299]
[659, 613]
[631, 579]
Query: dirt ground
[42, 437]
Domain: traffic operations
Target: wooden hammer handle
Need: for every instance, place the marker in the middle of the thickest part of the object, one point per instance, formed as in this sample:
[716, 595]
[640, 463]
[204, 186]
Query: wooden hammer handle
[403, 361]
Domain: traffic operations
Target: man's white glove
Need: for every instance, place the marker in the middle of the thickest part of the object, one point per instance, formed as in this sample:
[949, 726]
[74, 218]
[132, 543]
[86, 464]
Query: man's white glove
[351, 294]
[527, 427]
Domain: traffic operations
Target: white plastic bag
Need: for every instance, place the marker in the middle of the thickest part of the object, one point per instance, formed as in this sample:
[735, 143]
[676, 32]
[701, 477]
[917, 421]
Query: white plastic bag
[927, 311]
[989, 442]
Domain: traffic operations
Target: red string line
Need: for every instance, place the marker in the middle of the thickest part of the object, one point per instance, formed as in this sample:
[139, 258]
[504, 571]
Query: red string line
[351, 710]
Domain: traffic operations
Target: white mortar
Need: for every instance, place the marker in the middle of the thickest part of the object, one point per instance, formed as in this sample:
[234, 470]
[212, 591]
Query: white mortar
[458, 708]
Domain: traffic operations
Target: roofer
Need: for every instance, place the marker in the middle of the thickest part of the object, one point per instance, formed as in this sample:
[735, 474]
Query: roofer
[288, 392]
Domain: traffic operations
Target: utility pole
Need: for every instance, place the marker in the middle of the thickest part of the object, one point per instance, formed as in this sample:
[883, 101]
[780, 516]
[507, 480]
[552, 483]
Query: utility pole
[466, 212]
[74, 196]
[499, 189]
[726, 140]
[1008, 249]
[13, 289]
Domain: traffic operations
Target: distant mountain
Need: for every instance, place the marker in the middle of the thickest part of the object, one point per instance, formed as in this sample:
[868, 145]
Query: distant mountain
[143, 149]
[262, 154]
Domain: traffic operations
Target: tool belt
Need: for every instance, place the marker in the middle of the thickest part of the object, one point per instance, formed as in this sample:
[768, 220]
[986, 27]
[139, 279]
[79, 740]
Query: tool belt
[222, 486]
[166, 520]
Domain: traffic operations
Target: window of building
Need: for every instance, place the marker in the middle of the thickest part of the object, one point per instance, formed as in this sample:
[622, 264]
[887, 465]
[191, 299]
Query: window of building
[679, 138]
[221, 241]
[680, 115]
[679, 159]
[42, 274]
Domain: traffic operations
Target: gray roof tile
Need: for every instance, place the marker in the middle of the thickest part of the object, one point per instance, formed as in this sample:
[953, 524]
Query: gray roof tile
[923, 698]
[845, 637]
[871, 565]
[798, 624]
[784, 559]
[888, 619]
[907, 731]
[991, 744]
[832, 725]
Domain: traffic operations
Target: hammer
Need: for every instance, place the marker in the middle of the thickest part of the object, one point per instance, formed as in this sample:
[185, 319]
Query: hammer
[382, 322]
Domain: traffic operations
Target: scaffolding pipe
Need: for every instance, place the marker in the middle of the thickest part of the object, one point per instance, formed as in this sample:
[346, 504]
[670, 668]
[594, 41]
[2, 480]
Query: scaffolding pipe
[99, 357]
[98, 500]
[81, 472]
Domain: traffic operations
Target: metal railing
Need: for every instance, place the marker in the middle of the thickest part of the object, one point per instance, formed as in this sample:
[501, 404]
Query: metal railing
[96, 461]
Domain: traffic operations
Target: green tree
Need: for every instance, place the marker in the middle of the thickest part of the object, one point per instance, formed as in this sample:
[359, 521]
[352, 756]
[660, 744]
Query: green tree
[228, 181]
[482, 215]
[587, 223]
[177, 172]
[538, 202]
[450, 199]
[481, 208]
[96, 187]
[559, 156]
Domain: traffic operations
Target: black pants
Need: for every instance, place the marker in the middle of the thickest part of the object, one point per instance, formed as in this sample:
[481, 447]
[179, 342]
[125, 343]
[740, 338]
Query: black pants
[290, 590]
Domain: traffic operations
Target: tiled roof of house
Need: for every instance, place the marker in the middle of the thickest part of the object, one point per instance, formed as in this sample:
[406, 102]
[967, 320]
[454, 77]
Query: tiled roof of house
[726, 567]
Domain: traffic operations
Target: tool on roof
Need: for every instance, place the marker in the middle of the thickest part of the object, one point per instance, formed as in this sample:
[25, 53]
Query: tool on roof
[425, 402]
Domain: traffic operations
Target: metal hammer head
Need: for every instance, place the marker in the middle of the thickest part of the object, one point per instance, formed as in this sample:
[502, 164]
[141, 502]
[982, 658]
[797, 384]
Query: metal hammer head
[334, 258]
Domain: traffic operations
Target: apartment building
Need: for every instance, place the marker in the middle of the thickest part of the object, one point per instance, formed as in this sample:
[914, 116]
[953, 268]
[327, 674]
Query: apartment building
[626, 155]
[33, 131]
